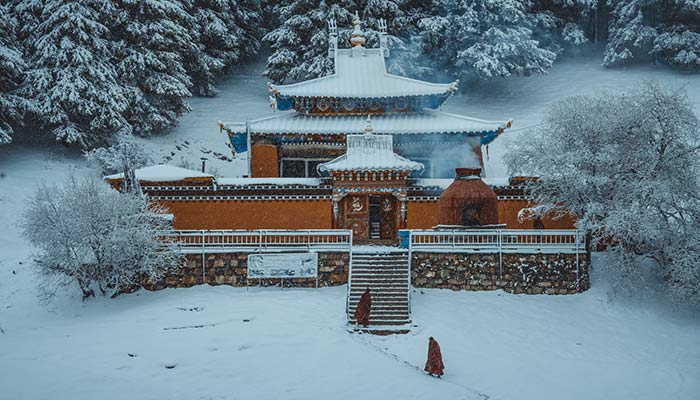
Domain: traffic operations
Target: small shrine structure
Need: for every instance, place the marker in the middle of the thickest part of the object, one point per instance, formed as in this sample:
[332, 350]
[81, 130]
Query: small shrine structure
[321, 113]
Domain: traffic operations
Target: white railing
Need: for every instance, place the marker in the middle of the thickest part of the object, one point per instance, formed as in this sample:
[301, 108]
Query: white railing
[498, 241]
[216, 241]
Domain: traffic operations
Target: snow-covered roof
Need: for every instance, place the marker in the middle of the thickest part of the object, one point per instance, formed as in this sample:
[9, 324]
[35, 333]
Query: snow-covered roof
[268, 181]
[443, 183]
[370, 152]
[361, 73]
[162, 173]
[427, 121]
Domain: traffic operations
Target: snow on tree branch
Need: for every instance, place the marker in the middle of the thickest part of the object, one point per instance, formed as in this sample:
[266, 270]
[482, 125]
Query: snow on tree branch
[88, 234]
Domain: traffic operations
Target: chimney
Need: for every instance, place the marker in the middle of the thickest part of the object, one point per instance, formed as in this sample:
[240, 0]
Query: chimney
[468, 201]
[468, 173]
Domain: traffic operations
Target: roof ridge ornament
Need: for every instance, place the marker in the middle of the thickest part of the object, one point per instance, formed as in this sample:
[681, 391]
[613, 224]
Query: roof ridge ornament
[332, 37]
[358, 36]
[368, 128]
[383, 45]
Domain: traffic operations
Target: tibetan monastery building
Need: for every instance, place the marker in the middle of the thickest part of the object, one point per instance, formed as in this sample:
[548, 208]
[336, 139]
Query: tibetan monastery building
[319, 114]
[354, 151]
[364, 157]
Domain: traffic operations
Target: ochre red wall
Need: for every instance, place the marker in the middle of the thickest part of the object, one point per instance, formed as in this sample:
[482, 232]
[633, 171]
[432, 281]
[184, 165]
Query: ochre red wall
[239, 214]
[316, 214]
[426, 214]
[264, 162]
[422, 214]
[508, 214]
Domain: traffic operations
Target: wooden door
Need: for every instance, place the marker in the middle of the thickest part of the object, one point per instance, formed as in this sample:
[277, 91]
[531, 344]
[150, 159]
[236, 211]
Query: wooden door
[388, 215]
[356, 215]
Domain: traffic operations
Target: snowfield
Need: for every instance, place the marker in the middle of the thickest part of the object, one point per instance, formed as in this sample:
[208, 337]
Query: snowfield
[229, 343]
[267, 343]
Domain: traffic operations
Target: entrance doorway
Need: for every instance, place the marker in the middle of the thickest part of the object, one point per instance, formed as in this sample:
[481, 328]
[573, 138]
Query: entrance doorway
[372, 218]
[375, 218]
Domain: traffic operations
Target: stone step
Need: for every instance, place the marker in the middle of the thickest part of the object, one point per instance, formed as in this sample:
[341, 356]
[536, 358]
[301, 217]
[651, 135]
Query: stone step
[382, 296]
[380, 257]
[373, 323]
[378, 281]
[374, 319]
[380, 271]
[375, 272]
[375, 264]
[379, 290]
[386, 308]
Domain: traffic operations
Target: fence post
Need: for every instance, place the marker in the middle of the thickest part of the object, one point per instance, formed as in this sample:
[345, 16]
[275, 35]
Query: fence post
[500, 255]
[577, 261]
[204, 260]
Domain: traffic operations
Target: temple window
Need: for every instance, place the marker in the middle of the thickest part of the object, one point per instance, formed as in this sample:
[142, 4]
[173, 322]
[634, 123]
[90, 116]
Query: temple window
[300, 167]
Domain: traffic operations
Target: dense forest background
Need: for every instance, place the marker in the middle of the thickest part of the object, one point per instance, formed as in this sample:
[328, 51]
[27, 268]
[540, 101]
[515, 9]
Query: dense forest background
[86, 71]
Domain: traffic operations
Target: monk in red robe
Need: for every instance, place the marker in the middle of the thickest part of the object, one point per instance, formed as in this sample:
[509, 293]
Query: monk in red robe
[363, 307]
[434, 365]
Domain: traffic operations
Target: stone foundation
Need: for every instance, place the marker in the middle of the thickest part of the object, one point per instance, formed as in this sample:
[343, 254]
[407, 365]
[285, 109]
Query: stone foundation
[232, 268]
[518, 273]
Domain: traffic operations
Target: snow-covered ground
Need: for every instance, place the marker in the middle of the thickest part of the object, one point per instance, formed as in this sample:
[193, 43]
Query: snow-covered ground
[226, 343]
[294, 344]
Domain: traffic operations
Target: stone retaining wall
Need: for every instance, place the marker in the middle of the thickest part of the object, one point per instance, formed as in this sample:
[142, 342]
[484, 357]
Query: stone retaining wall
[231, 269]
[519, 273]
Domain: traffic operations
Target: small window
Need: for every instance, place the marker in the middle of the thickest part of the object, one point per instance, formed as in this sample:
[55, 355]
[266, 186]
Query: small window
[300, 168]
[293, 168]
[471, 216]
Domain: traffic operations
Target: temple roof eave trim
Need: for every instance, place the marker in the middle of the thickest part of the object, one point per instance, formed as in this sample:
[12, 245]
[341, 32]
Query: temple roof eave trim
[425, 122]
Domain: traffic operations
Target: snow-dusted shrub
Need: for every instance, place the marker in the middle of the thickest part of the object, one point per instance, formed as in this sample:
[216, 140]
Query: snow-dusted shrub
[628, 166]
[88, 234]
[124, 156]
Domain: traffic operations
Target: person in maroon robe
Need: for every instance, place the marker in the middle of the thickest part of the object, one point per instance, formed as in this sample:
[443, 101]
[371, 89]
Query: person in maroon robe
[434, 365]
[363, 307]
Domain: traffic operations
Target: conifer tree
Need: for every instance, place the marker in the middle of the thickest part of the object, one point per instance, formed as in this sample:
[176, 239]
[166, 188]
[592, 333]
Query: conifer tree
[12, 68]
[72, 80]
[225, 32]
[486, 39]
[665, 31]
[156, 43]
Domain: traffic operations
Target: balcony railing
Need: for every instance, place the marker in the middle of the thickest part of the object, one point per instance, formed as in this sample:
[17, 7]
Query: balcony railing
[227, 241]
[496, 241]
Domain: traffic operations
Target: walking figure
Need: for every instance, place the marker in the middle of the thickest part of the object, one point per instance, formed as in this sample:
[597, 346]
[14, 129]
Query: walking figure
[434, 365]
[363, 308]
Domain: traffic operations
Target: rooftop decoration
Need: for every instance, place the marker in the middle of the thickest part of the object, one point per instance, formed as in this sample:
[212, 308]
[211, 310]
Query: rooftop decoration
[370, 152]
[360, 76]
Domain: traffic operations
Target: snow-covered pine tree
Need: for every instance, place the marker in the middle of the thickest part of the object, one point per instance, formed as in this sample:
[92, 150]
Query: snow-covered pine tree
[72, 80]
[631, 35]
[666, 31]
[485, 38]
[300, 42]
[225, 31]
[156, 43]
[564, 23]
[12, 68]
[89, 234]
[678, 43]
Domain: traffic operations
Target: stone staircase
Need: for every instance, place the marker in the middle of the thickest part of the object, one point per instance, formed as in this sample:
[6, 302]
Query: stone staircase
[387, 276]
